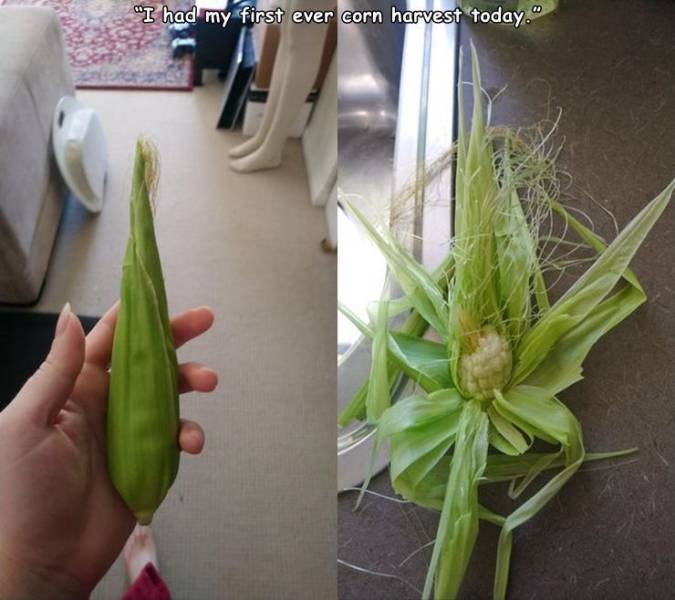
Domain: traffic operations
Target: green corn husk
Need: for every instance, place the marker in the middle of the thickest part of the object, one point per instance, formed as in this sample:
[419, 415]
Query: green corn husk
[506, 350]
[143, 412]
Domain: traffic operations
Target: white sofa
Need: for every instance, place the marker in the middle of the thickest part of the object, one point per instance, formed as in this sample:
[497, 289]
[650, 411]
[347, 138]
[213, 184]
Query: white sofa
[34, 75]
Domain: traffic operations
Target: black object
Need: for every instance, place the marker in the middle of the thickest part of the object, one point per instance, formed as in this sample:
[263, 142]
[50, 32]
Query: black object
[260, 95]
[25, 339]
[238, 81]
[180, 47]
[181, 30]
[216, 45]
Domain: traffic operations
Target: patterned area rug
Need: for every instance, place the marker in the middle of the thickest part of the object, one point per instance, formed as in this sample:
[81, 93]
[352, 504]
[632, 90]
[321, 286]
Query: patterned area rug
[110, 47]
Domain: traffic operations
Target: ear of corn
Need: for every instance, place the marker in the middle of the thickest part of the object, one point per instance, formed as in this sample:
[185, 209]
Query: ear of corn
[487, 367]
[509, 351]
[143, 414]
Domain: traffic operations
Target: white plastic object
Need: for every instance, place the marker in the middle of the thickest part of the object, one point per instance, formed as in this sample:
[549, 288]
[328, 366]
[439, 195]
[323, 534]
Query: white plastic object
[320, 141]
[81, 151]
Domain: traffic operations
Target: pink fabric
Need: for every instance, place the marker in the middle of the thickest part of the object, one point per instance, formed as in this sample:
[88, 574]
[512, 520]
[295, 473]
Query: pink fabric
[148, 586]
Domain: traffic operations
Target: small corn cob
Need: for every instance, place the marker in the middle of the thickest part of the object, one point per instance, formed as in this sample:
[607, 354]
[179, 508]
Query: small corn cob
[143, 414]
[485, 363]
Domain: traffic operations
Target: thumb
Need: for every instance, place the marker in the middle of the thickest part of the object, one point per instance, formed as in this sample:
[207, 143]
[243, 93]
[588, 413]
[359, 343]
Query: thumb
[46, 392]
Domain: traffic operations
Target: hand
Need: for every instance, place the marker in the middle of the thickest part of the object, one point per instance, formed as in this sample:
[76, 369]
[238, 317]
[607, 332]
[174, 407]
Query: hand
[62, 523]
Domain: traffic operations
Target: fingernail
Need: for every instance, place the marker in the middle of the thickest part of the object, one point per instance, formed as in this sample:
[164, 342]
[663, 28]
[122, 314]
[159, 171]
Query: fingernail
[63, 319]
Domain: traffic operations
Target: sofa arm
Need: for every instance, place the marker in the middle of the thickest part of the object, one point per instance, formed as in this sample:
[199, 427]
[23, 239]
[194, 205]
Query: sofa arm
[34, 75]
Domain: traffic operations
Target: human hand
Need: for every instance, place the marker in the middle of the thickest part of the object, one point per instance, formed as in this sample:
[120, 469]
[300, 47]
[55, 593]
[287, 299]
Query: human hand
[62, 523]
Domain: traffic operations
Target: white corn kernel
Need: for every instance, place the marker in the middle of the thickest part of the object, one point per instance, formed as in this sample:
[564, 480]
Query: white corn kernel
[488, 367]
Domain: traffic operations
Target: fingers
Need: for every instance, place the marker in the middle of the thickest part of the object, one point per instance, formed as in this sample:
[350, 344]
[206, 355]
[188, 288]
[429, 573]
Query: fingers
[191, 437]
[190, 324]
[192, 377]
[46, 392]
[185, 327]
[195, 377]
[100, 338]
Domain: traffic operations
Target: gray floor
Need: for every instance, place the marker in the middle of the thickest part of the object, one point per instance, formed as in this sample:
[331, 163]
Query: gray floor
[253, 517]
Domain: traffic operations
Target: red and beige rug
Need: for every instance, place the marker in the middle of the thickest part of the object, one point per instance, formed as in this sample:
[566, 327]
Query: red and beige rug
[110, 47]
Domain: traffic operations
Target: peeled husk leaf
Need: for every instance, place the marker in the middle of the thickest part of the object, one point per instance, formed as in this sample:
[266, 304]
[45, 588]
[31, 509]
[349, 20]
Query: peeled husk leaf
[492, 286]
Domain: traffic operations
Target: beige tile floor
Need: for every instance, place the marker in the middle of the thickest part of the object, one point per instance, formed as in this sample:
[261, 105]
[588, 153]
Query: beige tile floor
[254, 516]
